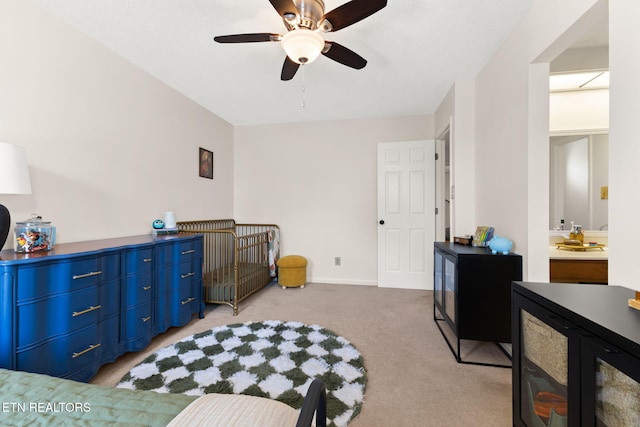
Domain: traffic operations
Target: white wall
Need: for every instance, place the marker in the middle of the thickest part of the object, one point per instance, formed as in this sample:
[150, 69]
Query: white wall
[457, 111]
[624, 150]
[109, 147]
[317, 181]
[511, 129]
[512, 138]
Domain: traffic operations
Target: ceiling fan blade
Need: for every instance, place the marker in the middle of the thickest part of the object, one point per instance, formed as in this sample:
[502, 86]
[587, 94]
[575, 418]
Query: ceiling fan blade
[345, 56]
[289, 69]
[284, 7]
[352, 12]
[248, 38]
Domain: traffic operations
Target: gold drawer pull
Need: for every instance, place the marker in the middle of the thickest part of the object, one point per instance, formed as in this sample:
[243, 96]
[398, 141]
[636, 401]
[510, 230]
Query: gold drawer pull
[184, 276]
[147, 259]
[82, 276]
[187, 301]
[146, 288]
[190, 251]
[146, 319]
[86, 350]
[88, 310]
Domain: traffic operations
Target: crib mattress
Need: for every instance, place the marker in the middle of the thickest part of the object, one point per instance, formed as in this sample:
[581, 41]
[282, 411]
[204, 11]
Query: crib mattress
[219, 284]
[40, 400]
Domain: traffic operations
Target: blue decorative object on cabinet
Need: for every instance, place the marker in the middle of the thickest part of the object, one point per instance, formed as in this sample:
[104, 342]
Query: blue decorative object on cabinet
[158, 224]
[84, 304]
[500, 244]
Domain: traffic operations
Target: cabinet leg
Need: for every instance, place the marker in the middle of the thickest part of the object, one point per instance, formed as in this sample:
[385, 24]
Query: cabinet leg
[456, 351]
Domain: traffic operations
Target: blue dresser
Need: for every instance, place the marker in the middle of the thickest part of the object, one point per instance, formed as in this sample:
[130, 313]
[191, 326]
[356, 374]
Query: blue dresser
[68, 311]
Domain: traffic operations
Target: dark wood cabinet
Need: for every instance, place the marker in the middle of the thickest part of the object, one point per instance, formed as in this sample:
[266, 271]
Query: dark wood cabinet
[472, 292]
[576, 355]
[579, 271]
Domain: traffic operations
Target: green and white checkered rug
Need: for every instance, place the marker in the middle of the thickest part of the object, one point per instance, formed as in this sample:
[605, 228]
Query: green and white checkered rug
[272, 359]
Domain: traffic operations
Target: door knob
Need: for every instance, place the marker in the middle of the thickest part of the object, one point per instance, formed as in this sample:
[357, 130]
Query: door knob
[382, 222]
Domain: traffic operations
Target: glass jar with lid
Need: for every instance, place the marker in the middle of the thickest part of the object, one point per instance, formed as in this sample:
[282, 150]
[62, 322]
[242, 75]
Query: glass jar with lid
[34, 234]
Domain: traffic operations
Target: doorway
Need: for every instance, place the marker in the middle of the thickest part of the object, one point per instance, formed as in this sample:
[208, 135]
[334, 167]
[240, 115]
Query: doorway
[444, 202]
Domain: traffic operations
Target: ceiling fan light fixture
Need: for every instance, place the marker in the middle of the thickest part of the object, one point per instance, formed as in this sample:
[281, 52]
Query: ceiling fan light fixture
[302, 46]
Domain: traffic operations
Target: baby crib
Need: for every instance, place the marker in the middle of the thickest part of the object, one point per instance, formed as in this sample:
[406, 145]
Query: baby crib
[239, 259]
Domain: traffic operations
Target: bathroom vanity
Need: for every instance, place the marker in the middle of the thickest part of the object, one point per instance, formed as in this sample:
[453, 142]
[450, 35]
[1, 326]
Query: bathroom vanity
[578, 267]
[588, 265]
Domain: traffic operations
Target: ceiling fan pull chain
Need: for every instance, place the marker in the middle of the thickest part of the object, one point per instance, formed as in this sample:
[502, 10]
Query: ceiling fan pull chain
[303, 89]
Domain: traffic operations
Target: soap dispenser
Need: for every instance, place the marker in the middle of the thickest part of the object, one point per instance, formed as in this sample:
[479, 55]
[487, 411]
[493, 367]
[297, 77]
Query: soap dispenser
[576, 233]
[579, 234]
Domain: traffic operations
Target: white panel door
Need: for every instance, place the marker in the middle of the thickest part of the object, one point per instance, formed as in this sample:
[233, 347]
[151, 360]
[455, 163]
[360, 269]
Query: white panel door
[406, 214]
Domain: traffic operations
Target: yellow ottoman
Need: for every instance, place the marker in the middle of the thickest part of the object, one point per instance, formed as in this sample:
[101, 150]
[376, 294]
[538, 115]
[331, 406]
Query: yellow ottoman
[292, 271]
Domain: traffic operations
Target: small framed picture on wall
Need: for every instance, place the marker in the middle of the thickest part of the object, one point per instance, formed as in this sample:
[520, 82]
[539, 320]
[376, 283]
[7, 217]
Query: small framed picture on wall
[205, 163]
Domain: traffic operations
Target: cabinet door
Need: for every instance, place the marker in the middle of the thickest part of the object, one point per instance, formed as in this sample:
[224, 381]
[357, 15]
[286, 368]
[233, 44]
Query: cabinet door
[450, 283]
[438, 280]
[610, 385]
[546, 368]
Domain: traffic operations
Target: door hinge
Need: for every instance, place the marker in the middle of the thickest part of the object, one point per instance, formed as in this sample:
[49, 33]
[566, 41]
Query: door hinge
[437, 156]
[436, 211]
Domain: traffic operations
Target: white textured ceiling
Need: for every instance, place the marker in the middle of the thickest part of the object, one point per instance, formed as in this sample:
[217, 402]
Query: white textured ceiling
[415, 50]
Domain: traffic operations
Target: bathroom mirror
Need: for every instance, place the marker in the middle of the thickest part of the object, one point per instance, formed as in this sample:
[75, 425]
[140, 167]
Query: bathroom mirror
[578, 180]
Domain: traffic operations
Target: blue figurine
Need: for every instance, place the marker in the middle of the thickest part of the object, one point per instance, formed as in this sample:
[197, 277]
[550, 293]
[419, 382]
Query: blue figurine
[158, 224]
[500, 244]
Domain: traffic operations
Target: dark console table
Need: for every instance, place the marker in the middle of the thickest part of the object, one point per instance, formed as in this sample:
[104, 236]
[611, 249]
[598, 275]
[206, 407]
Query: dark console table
[472, 294]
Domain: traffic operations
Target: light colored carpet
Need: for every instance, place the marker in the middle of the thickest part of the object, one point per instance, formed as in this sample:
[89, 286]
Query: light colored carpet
[413, 379]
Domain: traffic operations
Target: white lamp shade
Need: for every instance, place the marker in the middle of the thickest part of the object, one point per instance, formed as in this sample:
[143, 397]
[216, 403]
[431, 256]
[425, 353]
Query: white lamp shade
[14, 170]
[302, 46]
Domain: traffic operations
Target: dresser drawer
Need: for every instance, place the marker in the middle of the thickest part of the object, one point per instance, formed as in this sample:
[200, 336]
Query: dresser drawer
[137, 321]
[175, 308]
[57, 315]
[57, 277]
[138, 260]
[137, 290]
[187, 301]
[178, 252]
[63, 356]
[178, 276]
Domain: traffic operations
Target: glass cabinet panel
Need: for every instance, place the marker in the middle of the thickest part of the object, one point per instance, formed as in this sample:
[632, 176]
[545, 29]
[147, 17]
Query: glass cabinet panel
[544, 373]
[450, 289]
[437, 279]
[617, 397]
[611, 385]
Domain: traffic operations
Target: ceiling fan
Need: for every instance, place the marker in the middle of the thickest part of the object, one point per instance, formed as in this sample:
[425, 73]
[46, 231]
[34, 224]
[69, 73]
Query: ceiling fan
[302, 42]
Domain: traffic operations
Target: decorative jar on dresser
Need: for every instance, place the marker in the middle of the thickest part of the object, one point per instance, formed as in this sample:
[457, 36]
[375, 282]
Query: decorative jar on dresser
[68, 311]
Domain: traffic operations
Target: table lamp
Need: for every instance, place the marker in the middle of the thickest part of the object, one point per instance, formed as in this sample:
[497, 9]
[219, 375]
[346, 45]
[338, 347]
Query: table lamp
[14, 179]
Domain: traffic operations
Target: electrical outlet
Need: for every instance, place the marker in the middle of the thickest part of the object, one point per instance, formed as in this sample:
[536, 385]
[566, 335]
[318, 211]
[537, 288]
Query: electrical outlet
[338, 260]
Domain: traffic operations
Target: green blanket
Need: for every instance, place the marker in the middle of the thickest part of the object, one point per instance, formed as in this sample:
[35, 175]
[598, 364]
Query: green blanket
[39, 400]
